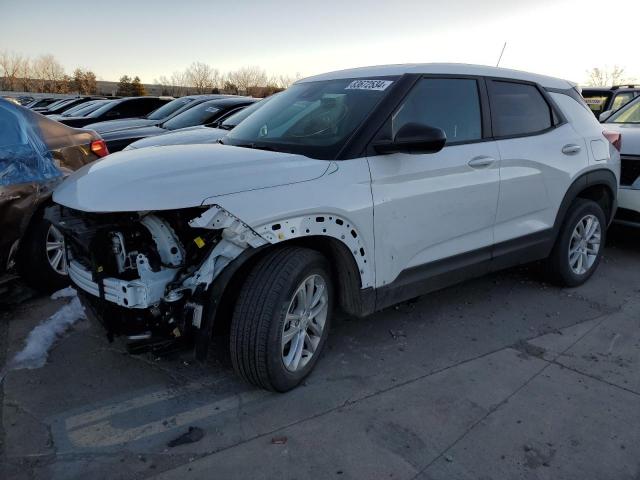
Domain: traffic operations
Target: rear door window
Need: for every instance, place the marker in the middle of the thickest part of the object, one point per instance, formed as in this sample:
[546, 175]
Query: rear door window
[518, 109]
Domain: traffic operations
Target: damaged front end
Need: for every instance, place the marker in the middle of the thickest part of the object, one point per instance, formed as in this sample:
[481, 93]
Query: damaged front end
[146, 274]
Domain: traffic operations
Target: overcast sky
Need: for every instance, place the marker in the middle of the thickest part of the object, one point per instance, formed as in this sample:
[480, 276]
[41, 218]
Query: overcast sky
[562, 38]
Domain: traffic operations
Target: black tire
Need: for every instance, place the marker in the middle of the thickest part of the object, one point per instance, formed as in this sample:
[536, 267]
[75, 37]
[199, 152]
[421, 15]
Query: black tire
[558, 266]
[32, 262]
[259, 316]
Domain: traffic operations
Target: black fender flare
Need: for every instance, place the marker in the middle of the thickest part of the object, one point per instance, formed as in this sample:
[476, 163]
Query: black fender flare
[213, 295]
[600, 176]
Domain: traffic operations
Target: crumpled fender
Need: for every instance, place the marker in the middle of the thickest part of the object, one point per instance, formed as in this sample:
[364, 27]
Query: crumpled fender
[337, 205]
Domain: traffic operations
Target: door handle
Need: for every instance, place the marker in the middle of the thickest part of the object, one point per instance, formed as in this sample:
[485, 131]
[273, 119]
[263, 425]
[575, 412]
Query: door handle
[482, 161]
[571, 149]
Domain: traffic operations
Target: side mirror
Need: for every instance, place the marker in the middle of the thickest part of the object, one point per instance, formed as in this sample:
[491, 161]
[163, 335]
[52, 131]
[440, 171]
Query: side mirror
[604, 115]
[414, 138]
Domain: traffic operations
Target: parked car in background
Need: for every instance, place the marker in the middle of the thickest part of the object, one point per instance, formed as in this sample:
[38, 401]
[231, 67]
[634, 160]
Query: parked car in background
[56, 109]
[80, 110]
[156, 117]
[129, 107]
[451, 171]
[36, 153]
[24, 99]
[601, 99]
[200, 114]
[41, 102]
[627, 122]
[209, 133]
[56, 101]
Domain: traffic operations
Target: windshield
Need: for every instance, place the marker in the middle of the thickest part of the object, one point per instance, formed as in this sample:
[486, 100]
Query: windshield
[313, 118]
[103, 109]
[58, 103]
[77, 108]
[627, 114]
[86, 109]
[199, 115]
[169, 108]
[232, 120]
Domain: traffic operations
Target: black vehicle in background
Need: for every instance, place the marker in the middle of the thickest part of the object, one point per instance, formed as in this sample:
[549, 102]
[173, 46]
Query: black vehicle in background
[58, 108]
[128, 107]
[208, 133]
[81, 110]
[156, 117]
[41, 102]
[202, 114]
[602, 99]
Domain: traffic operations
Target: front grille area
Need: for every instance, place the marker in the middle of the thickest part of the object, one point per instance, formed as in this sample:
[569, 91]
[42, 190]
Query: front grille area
[630, 170]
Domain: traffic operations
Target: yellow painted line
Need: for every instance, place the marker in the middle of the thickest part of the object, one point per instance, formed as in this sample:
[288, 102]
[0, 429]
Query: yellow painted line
[103, 434]
[137, 402]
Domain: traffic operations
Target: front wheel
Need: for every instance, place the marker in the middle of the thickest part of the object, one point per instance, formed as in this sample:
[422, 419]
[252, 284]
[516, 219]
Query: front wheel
[281, 319]
[578, 249]
[42, 262]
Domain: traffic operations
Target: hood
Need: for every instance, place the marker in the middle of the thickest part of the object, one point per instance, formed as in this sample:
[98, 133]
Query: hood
[134, 133]
[183, 136]
[111, 125]
[180, 176]
[630, 136]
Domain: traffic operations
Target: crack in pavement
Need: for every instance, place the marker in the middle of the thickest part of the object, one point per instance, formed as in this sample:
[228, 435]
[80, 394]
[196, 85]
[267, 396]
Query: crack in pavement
[499, 405]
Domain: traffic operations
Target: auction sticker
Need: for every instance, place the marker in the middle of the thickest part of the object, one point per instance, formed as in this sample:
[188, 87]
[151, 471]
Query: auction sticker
[369, 85]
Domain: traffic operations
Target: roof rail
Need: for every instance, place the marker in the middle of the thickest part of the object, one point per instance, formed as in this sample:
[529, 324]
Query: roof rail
[616, 87]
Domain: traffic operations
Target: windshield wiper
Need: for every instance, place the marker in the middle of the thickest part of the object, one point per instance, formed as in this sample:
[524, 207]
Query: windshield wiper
[258, 146]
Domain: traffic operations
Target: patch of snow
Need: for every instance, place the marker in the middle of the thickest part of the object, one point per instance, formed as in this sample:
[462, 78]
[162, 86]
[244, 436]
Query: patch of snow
[42, 337]
[68, 292]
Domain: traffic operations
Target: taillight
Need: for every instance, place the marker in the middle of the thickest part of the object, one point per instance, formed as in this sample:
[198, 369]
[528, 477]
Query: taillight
[614, 138]
[99, 148]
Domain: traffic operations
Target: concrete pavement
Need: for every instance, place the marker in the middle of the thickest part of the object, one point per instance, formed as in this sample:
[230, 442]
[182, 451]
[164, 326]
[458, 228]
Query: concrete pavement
[502, 377]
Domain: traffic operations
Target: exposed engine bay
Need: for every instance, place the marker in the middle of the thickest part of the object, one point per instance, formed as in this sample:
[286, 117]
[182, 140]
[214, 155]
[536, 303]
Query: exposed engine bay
[145, 273]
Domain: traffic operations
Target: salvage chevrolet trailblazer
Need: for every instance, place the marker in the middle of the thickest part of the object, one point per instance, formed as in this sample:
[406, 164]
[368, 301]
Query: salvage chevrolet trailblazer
[355, 190]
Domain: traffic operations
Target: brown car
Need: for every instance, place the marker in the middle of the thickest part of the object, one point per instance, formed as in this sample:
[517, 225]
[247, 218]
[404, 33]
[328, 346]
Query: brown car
[36, 154]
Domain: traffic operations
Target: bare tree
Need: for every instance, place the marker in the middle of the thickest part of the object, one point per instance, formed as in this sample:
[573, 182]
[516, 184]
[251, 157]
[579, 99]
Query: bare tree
[11, 64]
[180, 81]
[49, 74]
[600, 77]
[202, 77]
[26, 75]
[247, 78]
[284, 81]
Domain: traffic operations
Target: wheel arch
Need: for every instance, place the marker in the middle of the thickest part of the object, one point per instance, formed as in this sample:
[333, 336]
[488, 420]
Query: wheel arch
[598, 185]
[223, 293]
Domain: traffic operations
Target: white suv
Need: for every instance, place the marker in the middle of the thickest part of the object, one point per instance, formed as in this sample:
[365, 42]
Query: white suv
[355, 189]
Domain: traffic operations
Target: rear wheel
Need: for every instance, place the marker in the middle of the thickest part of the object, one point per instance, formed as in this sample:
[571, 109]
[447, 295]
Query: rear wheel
[281, 319]
[42, 263]
[578, 249]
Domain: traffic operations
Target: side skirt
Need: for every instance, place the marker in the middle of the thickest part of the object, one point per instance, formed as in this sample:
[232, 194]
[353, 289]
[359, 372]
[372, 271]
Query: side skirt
[440, 274]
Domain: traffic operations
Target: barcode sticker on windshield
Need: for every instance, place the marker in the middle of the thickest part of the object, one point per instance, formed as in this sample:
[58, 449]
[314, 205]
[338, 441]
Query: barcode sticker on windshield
[369, 85]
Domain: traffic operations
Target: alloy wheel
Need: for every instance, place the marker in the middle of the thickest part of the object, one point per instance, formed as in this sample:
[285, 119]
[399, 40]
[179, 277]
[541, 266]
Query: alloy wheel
[584, 245]
[304, 323]
[55, 251]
